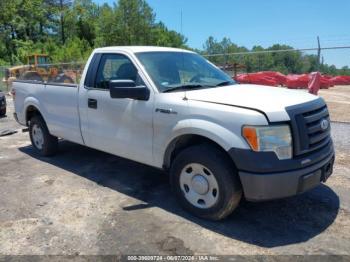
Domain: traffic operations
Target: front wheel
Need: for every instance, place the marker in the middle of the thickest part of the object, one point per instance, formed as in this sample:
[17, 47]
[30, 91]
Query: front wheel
[40, 137]
[206, 182]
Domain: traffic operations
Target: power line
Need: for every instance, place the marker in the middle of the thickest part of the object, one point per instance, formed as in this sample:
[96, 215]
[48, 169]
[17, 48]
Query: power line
[280, 51]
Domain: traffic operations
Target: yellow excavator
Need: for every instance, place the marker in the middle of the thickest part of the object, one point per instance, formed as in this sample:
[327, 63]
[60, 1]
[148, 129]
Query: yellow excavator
[38, 68]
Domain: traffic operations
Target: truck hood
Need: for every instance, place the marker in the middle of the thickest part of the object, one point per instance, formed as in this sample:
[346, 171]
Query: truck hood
[272, 101]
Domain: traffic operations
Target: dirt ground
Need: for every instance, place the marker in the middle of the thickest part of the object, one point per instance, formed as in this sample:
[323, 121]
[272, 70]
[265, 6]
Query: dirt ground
[338, 101]
[86, 202]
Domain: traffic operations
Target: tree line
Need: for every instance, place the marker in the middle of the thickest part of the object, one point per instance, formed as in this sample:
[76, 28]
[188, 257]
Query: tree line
[69, 30]
[290, 62]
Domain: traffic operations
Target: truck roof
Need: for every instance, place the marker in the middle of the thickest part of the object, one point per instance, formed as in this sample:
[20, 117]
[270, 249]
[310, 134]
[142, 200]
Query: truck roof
[138, 49]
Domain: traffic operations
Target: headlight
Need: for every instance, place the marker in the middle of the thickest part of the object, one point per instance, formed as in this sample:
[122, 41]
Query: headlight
[276, 139]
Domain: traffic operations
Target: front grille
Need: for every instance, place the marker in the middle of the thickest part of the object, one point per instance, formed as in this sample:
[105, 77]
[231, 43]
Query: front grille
[306, 121]
[318, 137]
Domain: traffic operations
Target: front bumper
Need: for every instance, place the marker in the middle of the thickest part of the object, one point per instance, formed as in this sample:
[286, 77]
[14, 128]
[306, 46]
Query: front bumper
[264, 177]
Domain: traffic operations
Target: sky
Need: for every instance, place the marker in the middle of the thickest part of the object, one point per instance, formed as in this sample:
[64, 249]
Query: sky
[261, 22]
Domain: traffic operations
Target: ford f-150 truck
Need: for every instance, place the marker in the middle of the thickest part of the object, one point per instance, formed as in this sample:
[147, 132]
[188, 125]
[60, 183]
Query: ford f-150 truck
[172, 109]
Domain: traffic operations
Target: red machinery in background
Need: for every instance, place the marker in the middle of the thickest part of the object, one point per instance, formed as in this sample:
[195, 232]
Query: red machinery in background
[291, 81]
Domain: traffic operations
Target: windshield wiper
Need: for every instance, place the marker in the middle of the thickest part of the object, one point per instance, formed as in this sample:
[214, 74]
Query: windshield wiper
[225, 83]
[183, 87]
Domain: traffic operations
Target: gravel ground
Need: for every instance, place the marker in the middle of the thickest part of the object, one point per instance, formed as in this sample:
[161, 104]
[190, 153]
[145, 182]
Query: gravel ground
[83, 201]
[338, 101]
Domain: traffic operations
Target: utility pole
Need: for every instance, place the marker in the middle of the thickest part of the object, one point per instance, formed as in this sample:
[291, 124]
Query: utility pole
[318, 53]
[63, 37]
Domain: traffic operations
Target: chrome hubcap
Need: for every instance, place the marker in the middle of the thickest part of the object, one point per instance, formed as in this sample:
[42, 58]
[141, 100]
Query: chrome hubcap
[199, 185]
[38, 136]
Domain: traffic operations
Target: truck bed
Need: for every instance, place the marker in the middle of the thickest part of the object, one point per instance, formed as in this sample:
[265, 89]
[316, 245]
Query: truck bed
[58, 104]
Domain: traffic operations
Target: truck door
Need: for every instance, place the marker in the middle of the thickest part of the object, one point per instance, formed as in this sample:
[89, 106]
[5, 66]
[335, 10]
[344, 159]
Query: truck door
[118, 126]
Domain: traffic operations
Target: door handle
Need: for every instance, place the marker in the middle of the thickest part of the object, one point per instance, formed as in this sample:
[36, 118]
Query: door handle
[92, 103]
[166, 111]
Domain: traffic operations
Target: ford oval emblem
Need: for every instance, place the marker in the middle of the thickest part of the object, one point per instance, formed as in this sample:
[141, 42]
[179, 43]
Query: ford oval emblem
[324, 124]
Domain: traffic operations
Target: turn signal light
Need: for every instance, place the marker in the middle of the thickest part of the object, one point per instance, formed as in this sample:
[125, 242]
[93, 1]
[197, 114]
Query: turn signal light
[250, 135]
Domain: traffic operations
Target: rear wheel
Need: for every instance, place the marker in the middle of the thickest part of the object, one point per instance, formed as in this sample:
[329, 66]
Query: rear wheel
[205, 182]
[40, 137]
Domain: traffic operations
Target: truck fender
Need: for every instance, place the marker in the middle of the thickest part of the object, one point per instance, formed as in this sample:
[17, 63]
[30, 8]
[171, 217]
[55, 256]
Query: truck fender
[225, 138]
[32, 101]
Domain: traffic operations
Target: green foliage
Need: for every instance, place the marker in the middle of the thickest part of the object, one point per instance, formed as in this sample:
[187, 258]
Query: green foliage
[345, 71]
[132, 22]
[68, 30]
[161, 36]
[292, 62]
[80, 21]
[75, 49]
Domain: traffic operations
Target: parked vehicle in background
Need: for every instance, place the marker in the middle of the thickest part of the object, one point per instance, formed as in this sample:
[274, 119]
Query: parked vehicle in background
[2, 104]
[172, 109]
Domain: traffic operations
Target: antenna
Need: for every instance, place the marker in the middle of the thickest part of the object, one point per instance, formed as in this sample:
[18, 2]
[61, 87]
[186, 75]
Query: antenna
[181, 22]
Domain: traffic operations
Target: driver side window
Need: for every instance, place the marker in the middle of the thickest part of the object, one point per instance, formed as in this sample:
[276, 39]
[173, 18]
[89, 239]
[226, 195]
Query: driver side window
[115, 67]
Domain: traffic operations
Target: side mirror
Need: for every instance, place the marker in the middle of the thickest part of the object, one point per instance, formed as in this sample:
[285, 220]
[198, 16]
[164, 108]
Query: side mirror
[128, 89]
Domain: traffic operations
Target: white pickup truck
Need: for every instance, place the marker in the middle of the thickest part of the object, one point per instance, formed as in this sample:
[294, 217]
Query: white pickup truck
[174, 110]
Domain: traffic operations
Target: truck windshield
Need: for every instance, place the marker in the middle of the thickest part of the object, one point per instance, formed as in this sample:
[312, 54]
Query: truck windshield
[172, 71]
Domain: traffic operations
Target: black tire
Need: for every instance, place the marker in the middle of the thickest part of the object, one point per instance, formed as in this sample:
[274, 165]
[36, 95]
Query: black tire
[219, 164]
[50, 143]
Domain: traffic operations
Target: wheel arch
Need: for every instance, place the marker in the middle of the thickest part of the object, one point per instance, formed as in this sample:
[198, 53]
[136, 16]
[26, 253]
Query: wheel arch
[184, 141]
[32, 106]
[196, 131]
[31, 111]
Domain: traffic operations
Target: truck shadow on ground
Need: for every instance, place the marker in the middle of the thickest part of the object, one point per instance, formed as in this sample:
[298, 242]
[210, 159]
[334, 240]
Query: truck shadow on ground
[267, 224]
